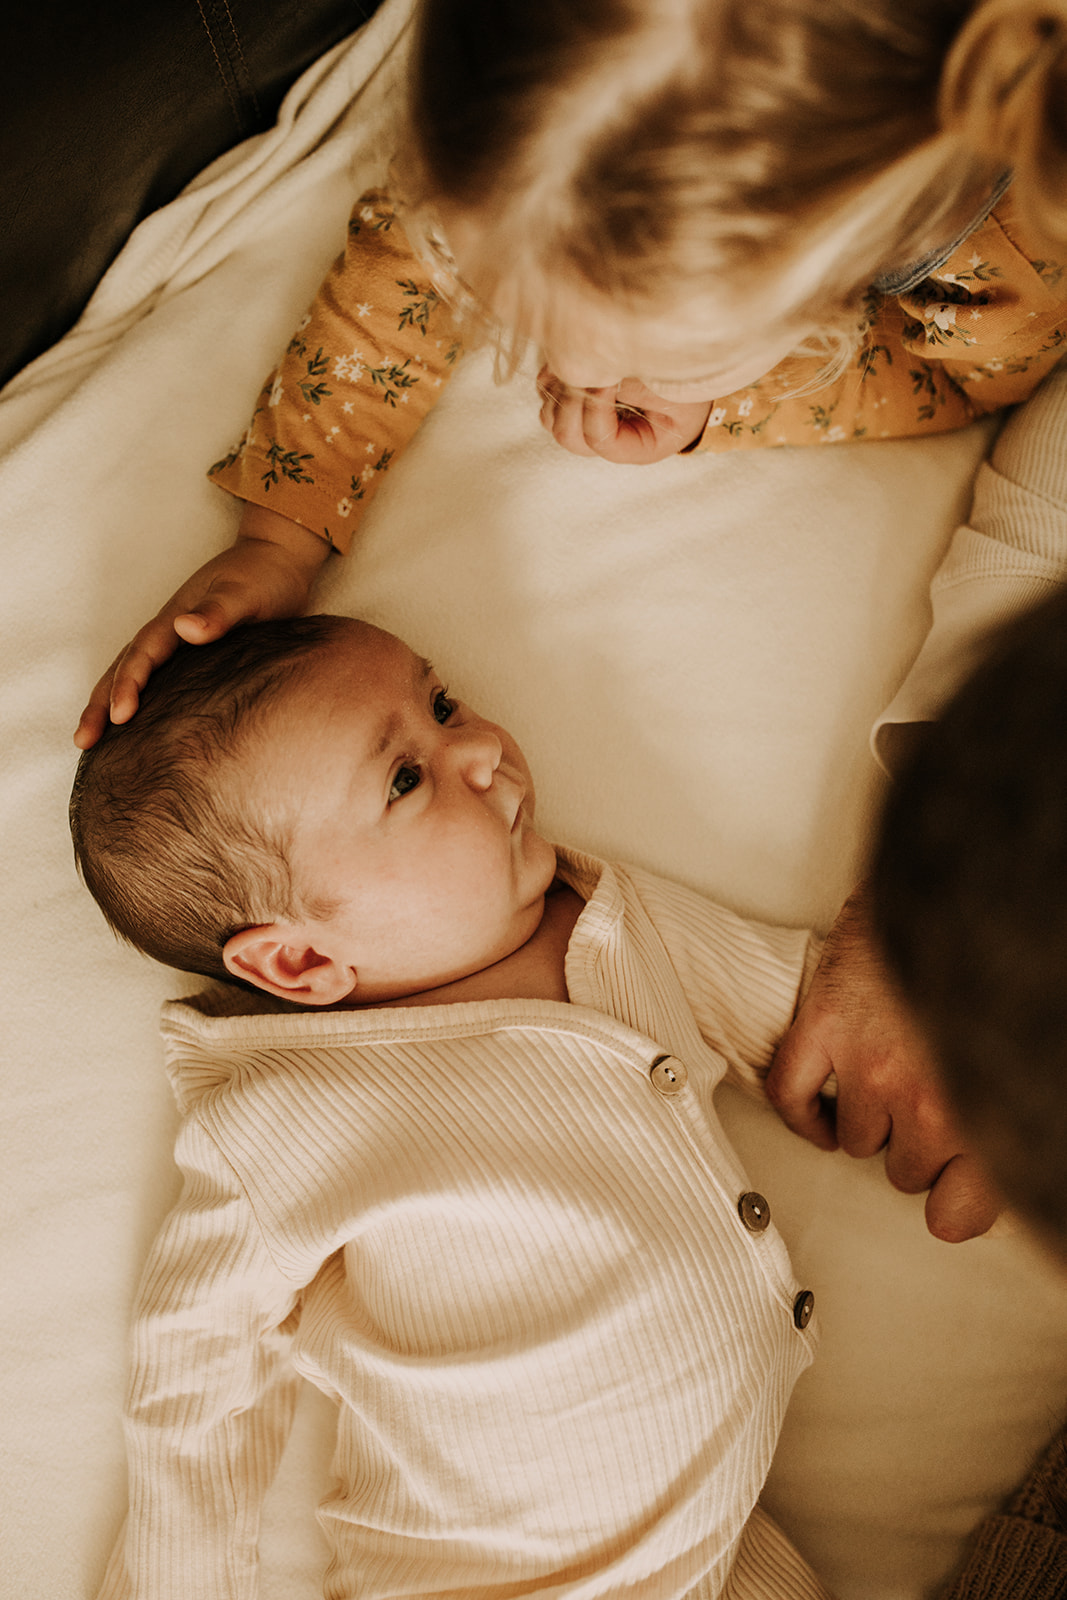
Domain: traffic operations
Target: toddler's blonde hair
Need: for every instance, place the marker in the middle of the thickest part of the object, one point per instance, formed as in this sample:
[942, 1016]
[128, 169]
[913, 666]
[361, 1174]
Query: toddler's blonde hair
[666, 154]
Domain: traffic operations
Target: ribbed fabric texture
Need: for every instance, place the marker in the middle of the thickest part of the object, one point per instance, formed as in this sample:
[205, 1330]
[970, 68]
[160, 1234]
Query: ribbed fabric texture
[562, 1360]
[1008, 556]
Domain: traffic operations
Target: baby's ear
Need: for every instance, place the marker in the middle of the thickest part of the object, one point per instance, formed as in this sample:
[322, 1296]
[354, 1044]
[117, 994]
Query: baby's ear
[280, 960]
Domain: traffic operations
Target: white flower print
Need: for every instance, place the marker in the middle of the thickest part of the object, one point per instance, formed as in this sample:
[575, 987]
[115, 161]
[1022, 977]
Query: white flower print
[717, 417]
[349, 369]
[745, 407]
[344, 507]
[275, 391]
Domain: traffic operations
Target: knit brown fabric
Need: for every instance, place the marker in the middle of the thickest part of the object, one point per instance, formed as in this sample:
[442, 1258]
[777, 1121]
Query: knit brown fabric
[1020, 1552]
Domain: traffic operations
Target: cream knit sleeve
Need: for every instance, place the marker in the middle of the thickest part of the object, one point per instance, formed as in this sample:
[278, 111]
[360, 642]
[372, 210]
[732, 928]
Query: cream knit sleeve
[210, 1397]
[1004, 560]
[742, 979]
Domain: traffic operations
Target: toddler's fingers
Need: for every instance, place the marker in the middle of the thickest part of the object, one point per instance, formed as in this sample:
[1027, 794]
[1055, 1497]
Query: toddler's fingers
[134, 669]
[209, 621]
[228, 602]
[94, 718]
[600, 420]
[568, 426]
[548, 413]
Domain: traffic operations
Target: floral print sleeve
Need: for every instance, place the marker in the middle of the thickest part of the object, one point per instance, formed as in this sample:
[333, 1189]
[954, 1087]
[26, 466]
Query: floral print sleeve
[362, 370]
[980, 332]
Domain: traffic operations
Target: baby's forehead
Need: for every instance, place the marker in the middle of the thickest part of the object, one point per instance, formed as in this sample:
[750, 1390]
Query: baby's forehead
[335, 691]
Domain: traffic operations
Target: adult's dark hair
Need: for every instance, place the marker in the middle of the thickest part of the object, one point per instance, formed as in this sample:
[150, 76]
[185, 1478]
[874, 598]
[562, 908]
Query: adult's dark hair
[162, 835]
[969, 890]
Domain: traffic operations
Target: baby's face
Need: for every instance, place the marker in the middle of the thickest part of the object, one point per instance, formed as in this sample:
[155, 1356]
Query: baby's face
[408, 810]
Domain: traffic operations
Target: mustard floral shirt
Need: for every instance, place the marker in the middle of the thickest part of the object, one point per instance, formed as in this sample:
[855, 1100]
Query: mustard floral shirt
[372, 355]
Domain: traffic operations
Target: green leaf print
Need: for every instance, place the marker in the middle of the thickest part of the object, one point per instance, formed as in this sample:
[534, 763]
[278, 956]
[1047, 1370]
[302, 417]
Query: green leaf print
[423, 301]
[377, 218]
[315, 393]
[981, 272]
[393, 378]
[227, 460]
[1050, 273]
[870, 357]
[286, 464]
[922, 382]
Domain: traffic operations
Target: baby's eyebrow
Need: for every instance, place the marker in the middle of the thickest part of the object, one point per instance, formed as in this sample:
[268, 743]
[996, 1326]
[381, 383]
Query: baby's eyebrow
[422, 670]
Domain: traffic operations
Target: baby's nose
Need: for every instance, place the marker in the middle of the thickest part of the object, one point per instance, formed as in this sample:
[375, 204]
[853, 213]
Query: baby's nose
[480, 753]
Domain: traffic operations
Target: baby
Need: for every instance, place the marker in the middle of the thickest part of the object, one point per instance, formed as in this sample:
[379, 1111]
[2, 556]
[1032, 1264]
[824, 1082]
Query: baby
[450, 1152]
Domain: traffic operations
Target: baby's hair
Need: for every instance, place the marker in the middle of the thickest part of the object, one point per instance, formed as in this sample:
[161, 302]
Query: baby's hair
[649, 149]
[162, 837]
[969, 887]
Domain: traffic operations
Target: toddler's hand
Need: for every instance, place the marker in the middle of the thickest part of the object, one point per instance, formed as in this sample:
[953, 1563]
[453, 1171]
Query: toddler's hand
[267, 572]
[627, 424]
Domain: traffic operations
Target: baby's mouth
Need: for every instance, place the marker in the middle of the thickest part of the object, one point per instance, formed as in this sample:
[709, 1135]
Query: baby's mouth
[519, 809]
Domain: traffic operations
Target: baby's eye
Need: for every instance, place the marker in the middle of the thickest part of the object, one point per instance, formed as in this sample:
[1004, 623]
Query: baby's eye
[443, 707]
[405, 779]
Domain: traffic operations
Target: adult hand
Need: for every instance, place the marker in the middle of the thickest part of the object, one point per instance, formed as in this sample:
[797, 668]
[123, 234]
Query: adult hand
[627, 424]
[267, 572]
[852, 1025]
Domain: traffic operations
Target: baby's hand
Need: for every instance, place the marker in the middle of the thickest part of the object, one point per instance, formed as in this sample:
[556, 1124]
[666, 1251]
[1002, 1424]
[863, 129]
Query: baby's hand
[627, 424]
[267, 572]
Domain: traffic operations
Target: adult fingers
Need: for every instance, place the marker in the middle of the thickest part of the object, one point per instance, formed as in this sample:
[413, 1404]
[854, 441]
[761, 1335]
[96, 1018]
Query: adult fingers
[923, 1141]
[963, 1202]
[800, 1074]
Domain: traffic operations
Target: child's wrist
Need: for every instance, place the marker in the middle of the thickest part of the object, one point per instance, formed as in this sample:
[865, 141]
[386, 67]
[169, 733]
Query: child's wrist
[305, 549]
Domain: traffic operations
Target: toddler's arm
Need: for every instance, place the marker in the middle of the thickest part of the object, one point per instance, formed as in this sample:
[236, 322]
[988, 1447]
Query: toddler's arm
[267, 572]
[366, 364]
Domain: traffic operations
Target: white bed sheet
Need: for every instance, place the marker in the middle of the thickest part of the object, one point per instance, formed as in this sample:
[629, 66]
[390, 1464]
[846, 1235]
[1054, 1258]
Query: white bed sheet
[691, 655]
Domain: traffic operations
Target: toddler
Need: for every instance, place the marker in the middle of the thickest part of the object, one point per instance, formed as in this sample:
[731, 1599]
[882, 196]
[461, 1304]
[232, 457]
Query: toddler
[450, 1152]
[726, 224]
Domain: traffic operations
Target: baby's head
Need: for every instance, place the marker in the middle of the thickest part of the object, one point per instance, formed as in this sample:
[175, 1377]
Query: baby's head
[302, 806]
[685, 191]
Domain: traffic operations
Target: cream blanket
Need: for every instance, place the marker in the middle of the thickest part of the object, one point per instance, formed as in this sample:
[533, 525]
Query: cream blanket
[691, 655]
